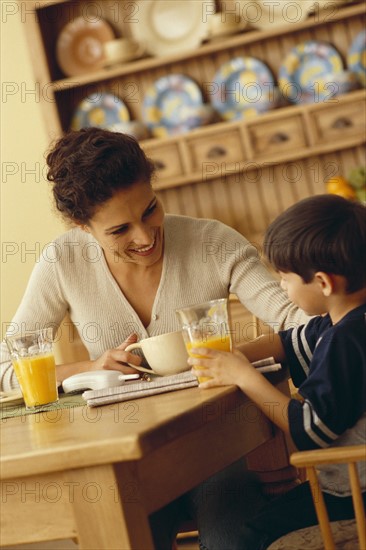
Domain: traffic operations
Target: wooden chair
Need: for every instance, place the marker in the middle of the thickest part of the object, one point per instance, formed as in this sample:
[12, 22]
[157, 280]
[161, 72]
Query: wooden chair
[335, 535]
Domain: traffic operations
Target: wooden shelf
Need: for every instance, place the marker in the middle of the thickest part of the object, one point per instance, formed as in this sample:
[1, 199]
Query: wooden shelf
[353, 138]
[243, 39]
[209, 172]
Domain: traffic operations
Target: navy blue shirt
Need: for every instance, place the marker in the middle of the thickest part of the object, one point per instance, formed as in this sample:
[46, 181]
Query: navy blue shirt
[328, 364]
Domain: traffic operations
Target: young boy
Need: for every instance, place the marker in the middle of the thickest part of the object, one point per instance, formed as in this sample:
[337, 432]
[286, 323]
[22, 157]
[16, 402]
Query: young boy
[318, 247]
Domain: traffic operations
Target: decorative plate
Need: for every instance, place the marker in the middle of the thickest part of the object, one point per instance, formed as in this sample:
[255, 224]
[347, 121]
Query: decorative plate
[168, 26]
[305, 76]
[356, 58]
[242, 88]
[100, 110]
[168, 103]
[79, 47]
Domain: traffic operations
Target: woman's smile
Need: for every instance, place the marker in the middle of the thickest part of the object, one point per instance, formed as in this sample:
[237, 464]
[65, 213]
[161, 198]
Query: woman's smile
[144, 250]
[129, 226]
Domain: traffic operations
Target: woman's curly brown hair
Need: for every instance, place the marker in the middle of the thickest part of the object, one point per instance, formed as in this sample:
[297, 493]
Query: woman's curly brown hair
[89, 166]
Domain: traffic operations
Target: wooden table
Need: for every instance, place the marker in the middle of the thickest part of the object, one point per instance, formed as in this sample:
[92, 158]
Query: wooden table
[96, 474]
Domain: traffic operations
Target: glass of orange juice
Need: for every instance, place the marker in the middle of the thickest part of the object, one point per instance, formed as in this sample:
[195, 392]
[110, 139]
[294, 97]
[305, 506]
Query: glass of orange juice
[34, 365]
[206, 325]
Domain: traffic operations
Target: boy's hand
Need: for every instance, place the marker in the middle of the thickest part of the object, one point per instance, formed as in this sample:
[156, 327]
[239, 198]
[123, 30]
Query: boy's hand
[225, 368]
[221, 367]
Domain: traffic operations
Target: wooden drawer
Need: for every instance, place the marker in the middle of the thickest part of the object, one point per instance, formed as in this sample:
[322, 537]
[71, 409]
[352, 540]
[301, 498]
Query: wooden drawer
[277, 136]
[166, 158]
[339, 121]
[221, 147]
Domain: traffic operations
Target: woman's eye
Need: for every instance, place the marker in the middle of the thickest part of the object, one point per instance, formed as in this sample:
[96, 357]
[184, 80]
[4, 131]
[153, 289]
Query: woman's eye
[150, 210]
[120, 230]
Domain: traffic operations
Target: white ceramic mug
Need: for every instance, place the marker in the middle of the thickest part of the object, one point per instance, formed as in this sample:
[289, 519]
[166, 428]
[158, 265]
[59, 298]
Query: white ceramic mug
[166, 353]
[121, 50]
[223, 24]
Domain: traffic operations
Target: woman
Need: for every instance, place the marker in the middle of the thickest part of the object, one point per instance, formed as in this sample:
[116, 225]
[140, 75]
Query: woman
[125, 267]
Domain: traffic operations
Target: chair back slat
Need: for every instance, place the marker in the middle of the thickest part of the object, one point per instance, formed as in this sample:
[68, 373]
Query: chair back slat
[334, 455]
[320, 508]
[358, 503]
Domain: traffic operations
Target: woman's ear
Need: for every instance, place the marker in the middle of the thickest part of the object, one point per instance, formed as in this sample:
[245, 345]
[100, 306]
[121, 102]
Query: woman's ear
[83, 227]
[325, 282]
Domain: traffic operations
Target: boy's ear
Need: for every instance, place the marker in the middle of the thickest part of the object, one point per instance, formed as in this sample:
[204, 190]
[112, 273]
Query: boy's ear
[325, 281]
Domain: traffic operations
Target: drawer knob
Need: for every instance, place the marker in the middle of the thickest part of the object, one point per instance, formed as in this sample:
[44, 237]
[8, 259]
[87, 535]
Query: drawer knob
[159, 164]
[280, 137]
[342, 122]
[216, 152]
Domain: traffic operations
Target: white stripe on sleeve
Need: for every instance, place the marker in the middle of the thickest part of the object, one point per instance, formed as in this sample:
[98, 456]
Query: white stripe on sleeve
[319, 423]
[307, 350]
[307, 426]
[295, 344]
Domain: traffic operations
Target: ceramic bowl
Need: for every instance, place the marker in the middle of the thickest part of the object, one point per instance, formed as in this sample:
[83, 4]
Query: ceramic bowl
[342, 82]
[223, 24]
[121, 50]
[199, 115]
[270, 14]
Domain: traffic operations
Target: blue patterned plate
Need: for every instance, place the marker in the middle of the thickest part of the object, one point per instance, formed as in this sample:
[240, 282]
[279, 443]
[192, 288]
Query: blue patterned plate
[356, 58]
[304, 75]
[100, 110]
[242, 88]
[168, 105]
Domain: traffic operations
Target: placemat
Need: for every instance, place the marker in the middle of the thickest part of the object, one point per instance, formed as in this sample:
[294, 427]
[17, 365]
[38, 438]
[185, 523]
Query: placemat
[66, 401]
[142, 388]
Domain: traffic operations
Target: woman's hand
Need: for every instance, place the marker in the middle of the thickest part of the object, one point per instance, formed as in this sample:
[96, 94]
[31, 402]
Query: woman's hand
[117, 358]
[222, 367]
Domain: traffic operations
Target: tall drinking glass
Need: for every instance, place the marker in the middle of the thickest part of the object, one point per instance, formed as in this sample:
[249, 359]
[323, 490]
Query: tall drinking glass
[206, 325]
[34, 365]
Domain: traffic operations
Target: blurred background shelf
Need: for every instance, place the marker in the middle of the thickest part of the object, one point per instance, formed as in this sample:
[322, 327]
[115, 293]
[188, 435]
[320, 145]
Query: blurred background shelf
[243, 173]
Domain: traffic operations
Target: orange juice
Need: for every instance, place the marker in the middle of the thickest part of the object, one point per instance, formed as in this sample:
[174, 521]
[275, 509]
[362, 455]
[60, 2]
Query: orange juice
[37, 379]
[222, 343]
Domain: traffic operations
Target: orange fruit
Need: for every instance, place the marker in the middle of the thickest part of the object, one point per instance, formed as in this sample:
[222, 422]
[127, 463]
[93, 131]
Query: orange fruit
[340, 186]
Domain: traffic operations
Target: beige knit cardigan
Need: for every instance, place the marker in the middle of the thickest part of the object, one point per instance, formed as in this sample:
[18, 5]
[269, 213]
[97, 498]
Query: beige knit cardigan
[203, 260]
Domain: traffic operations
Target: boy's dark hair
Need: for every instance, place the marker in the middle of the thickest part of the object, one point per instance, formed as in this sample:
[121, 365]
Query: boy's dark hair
[89, 166]
[321, 233]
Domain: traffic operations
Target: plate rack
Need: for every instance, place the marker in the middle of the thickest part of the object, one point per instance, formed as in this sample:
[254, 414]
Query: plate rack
[244, 172]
